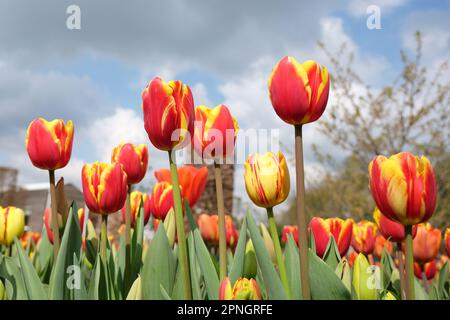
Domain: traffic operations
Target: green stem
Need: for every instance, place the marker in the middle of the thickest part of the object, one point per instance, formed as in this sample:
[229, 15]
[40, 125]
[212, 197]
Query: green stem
[104, 237]
[54, 226]
[127, 242]
[301, 215]
[222, 227]
[179, 221]
[409, 263]
[278, 252]
[401, 270]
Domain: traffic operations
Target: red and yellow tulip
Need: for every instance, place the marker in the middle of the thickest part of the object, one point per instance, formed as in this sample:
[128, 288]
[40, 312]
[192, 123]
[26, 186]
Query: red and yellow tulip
[209, 229]
[390, 229]
[215, 132]
[12, 224]
[287, 230]
[34, 236]
[267, 179]
[380, 244]
[364, 234]
[136, 198]
[134, 160]
[168, 113]
[299, 91]
[192, 181]
[447, 241]
[243, 289]
[105, 187]
[162, 200]
[49, 143]
[429, 268]
[403, 187]
[426, 244]
[323, 229]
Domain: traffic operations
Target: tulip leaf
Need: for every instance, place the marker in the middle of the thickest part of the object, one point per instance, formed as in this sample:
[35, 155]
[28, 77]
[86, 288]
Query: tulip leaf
[272, 282]
[190, 216]
[178, 287]
[137, 240]
[194, 268]
[312, 242]
[237, 267]
[444, 283]
[387, 266]
[164, 293]
[325, 284]
[135, 292]
[419, 291]
[14, 283]
[159, 267]
[33, 284]
[65, 264]
[98, 289]
[44, 259]
[293, 268]
[344, 273]
[331, 255]
[78, 281]
[206, 266]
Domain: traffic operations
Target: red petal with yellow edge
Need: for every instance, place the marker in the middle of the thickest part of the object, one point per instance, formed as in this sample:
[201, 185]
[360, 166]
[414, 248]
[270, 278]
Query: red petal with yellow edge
[114, 182]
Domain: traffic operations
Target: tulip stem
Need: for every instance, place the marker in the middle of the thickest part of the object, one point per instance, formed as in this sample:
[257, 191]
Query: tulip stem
[54, 225]
[278, 252]
[301, 215]
[104, 237]
[222, 227]
[179, 221]
[409, 268]
[127, 243]
[401, 270]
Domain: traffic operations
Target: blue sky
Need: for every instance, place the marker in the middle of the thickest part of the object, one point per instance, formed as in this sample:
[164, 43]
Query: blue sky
[224, 50]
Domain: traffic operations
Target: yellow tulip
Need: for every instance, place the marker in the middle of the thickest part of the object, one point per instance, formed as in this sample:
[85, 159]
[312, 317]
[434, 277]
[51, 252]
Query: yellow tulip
[12, 223]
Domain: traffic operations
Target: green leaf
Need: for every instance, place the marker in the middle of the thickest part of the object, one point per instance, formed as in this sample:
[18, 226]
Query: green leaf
[420, 293]
[98, 289]
[34, 287]
[444, 283]
[192, 223]
[70, 248]
[206, 266]
[325, 284]
[387, 266]
[164, 293]
[237, 266]
[271, 279]
[344, 273]
[293, 268]
[15, 286]
[332, 256]
[194, 268]
[159, 267]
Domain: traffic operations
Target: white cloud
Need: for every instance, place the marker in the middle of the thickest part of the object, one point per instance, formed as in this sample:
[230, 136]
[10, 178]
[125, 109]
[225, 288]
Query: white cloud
[200, 93]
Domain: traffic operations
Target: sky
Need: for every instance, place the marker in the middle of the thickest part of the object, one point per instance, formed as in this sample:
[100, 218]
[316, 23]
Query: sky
[224, 50]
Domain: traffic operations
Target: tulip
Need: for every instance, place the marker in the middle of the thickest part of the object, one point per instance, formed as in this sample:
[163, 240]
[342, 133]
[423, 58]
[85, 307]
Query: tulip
[49, 144]
[364, 234]
[447, 241]
[403, 187]
[168, 113]
[243, 289]
[268, 242]
[323, 229]
[215, 132]
[352, 257]
[28, 236]
[161, 200]
[12, 224]
[209, 229]
[388, 296]
[134, 160]
[390, 229]
[267, 179]
[426, 244]
[380, 244]
[289, 230]
[299, 92]
[428, 270]
[363, 277]
[136, 199]
[250, 262]
[192, 181]
[47, 218]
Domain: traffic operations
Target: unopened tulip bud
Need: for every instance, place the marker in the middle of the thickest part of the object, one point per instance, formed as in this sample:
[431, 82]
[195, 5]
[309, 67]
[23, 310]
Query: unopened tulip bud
[268, 241]
[243, 289]
[250, 263]
[169, 226]
[364, 279]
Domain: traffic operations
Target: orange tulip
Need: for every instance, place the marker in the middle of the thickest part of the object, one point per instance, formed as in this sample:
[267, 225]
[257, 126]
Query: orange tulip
[380, 244]
[390, 229]
[352, 257]
[323, 229]
[447, 241]
[49, 144]
[426, 244]
[192, 181]
[364, 234]
[136, 198]
[134, 160]
[168, 113]
[243, 289]
[289, 230]
[429, 268]
[403, 187]
[299, 92]
[209, 229]
[215, 132]
[104, 187]
[30, 235]
[162, 200]
[48, 216]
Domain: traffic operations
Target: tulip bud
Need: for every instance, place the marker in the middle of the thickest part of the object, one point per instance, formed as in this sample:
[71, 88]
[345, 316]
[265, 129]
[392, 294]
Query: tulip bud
[363, 279]
[134, 161]
[429, 269]
[427, 243]
[268, 241]
[49, 144]
[244, 289]
[135, 201]
[364, 234]
[192, 181]
[388, 296]
[162, 200]
[403, 187]
[389, 228]
[169, 226]
[267, 179]
[250, 263]
[323, 229]
[226, 290]
[380, 244]
[168, 113]
[215, 132]
[287, 230]
[299, 92]
[104, 187]
[12, 224]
